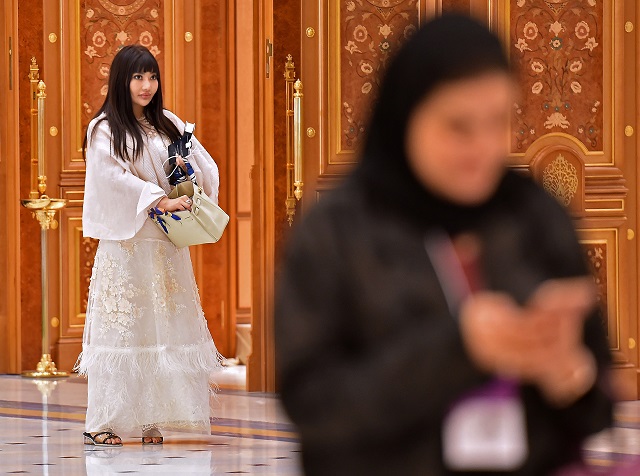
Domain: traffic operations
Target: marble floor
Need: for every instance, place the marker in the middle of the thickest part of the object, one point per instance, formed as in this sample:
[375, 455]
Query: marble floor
[40, 433]
[41, 424]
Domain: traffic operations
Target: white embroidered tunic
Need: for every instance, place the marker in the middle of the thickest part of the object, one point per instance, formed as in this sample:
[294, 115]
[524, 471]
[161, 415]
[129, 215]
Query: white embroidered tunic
[147, 351]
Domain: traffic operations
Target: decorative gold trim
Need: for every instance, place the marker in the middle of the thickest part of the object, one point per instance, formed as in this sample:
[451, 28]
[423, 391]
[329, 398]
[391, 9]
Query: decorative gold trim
[76, 136]
[289, 78]
[560, 179]
[53, 37]
[74, 301]
[53, 131]
[46, 368]
[630, 234]
[188, 37]
[628, 131]
[620, 208]
[628, 27]
[34, 78]
[297, 140]
[311, 32]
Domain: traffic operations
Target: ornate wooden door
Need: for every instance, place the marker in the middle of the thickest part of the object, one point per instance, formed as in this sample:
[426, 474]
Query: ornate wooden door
[573, 128]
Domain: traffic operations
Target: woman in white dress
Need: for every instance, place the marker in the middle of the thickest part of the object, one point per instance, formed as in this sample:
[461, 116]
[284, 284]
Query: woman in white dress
[147, 351]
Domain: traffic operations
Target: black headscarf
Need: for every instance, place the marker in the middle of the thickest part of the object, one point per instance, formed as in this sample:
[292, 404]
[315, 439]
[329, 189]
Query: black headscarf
[449, 48]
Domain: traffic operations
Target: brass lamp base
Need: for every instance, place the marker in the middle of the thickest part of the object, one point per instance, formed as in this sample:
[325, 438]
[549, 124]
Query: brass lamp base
[46, 368]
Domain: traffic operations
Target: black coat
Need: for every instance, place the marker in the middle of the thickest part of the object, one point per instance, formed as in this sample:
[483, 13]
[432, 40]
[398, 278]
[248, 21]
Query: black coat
[369, 356]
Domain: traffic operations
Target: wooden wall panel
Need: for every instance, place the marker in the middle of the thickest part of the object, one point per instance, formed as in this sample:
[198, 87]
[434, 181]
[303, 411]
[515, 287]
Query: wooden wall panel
[10, 315]
[363, 37]
[77, 255]
[456, 6]
[558, 49]
[105, 27]
[30, 43]
[369, 35]
[245, 98]
[213, 28]
[569, 132]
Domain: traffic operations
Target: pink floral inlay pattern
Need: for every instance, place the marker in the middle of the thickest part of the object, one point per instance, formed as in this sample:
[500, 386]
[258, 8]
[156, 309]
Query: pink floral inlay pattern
[107, 25]
[557, 47]
[370, 32]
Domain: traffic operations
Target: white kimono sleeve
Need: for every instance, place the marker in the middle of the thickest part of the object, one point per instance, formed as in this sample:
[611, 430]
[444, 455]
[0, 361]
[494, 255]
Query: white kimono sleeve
[115, 200]
[204, 166]
[208, 169]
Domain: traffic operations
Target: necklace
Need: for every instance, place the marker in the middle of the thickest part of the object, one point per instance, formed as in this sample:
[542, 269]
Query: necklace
[149, 130]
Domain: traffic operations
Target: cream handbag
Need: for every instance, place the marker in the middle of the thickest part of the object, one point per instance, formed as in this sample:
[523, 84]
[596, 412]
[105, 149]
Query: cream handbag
[204, 223]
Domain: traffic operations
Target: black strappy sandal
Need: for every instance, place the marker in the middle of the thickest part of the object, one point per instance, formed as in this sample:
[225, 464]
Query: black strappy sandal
[150, 433]
[91, 440]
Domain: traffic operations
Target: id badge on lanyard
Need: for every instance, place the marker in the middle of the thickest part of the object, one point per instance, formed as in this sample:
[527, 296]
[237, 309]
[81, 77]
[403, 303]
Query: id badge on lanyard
[484, 429]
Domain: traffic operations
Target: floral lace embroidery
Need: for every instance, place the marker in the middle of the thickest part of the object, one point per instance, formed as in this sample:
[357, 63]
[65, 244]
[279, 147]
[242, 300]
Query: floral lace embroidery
[113, 300]
[165, 286]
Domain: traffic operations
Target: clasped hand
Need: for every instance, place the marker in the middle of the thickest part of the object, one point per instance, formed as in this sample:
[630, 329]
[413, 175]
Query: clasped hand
[540, 343]
[174, 204]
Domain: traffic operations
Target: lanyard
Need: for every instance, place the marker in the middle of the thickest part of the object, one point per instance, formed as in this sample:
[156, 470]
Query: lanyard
[449, 269]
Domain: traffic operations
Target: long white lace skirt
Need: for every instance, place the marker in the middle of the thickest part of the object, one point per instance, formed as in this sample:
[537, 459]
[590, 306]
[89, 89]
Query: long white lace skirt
[147, 351]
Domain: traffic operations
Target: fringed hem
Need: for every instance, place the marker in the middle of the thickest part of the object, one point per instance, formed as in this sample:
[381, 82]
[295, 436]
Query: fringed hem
[161, 359]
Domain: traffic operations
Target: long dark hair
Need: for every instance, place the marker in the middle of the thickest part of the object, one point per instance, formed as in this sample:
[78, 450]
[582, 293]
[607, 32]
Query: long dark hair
[118, 108]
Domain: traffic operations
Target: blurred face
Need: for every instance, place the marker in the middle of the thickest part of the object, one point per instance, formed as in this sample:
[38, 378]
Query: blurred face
[457, 139]
[143, 87]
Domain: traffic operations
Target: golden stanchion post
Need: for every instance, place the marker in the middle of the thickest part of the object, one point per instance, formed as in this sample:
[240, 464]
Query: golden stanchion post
[43, 209]
[297, 140]
[290, 77]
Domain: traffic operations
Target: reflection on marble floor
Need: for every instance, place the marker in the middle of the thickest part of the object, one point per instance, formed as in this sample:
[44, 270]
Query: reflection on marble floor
[40, 433]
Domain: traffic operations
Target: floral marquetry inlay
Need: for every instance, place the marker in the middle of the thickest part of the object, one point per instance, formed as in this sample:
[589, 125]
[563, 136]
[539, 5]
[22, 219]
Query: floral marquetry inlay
[370, 32]
[108, 25]
[597, 261]
[557, 46]
[560, 179]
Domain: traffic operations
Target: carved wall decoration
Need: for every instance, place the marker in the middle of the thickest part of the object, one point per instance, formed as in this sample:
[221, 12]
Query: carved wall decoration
[560, 179]
[597, 261]
[370, 32]
[557, 47]
[561, 171]
[106, 26]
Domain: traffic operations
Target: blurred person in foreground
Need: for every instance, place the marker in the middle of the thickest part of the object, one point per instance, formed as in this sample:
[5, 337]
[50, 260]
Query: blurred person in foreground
[434, 314]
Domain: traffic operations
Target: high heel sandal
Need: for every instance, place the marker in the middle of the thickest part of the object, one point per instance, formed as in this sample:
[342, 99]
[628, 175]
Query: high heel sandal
[95, 439]
[149, 433]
